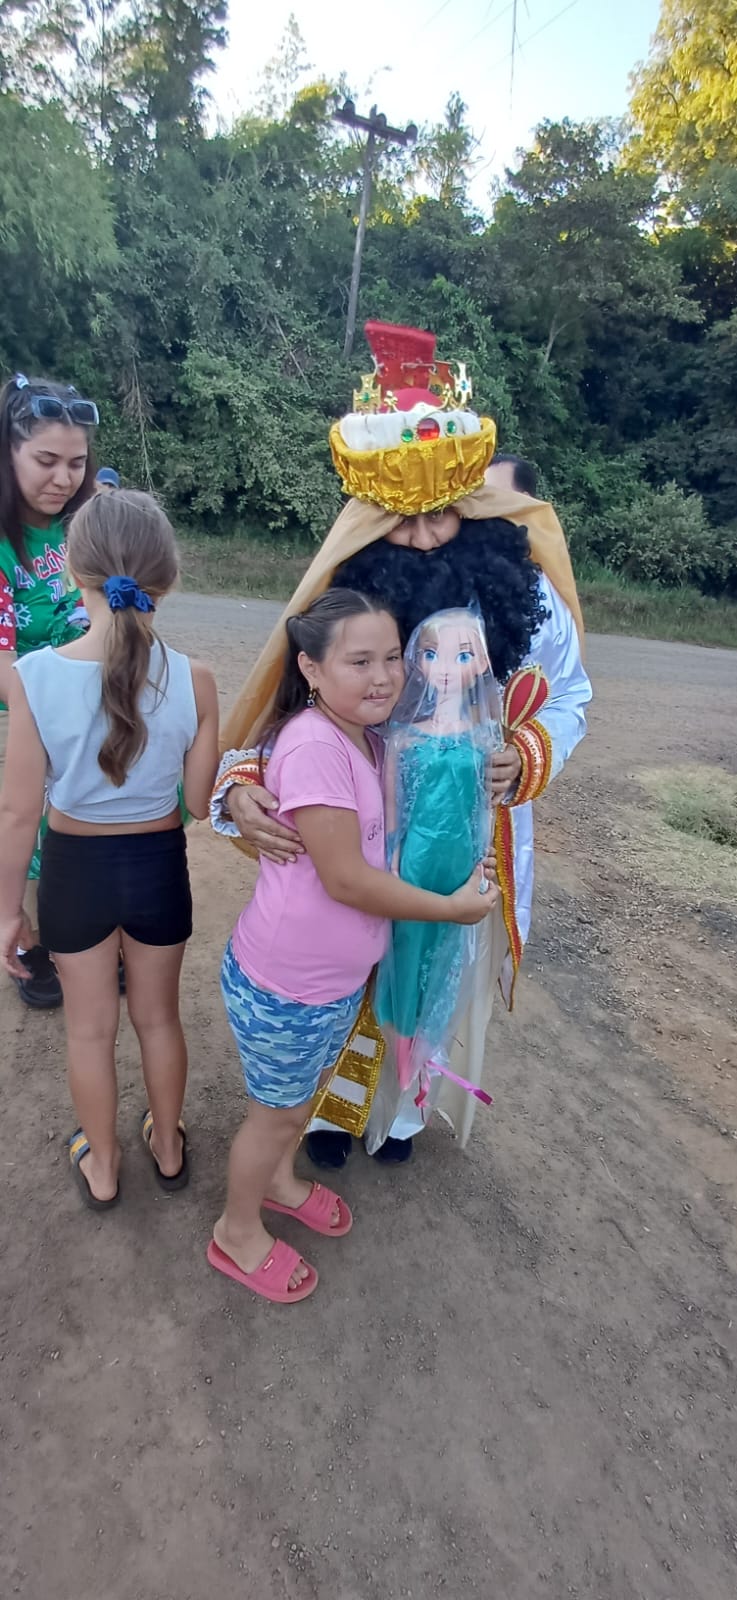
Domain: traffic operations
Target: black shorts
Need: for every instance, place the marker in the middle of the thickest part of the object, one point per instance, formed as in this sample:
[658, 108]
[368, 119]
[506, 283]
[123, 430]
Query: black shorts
[92, 884]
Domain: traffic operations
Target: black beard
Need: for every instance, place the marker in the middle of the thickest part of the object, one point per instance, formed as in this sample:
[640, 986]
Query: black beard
[488, 563]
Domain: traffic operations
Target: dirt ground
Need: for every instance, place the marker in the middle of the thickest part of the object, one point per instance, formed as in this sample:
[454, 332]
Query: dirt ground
[517, 1378]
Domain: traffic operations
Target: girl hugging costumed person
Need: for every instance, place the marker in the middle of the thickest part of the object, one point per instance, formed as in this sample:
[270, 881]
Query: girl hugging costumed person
[430, 527]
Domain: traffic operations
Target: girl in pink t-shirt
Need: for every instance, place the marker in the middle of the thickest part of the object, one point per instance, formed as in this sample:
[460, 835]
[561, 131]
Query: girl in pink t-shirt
[303, 949]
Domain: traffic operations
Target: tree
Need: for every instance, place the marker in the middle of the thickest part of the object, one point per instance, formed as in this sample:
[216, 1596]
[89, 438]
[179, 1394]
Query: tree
[130, 71]
[284, 73]
[569, 245]
[167, 50]
[56, 233]
[38, 43]
[684, 97]
[446, 155]
[196, 286]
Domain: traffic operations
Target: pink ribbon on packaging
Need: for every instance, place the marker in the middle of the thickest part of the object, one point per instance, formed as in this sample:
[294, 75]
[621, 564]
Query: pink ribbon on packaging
[463, 1083]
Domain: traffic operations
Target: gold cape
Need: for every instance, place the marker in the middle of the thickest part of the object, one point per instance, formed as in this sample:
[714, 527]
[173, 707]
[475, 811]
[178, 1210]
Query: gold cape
[360, 524]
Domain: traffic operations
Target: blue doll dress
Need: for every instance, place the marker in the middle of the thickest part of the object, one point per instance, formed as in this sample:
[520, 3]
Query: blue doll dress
[441, 833]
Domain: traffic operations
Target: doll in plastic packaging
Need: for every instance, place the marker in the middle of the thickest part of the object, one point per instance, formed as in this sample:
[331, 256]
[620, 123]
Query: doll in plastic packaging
[439, 822]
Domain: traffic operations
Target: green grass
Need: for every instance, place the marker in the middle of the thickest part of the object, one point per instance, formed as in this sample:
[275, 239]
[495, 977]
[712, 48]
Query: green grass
[610, 605]
[687, 837]
[257, 568]
[702, 803]
[270, 569]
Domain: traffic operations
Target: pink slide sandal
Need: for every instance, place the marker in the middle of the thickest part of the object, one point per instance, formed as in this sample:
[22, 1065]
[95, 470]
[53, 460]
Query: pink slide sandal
[271, 1279]
[316, 1211]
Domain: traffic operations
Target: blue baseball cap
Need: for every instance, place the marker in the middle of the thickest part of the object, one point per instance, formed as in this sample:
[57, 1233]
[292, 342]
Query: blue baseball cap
[108, 475]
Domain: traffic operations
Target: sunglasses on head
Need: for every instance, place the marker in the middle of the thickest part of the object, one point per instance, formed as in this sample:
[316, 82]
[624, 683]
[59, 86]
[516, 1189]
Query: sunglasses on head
[52, 407]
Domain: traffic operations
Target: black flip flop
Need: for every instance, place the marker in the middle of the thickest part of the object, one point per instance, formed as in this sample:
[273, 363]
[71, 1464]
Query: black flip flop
[78, 1148]
[180, 1179]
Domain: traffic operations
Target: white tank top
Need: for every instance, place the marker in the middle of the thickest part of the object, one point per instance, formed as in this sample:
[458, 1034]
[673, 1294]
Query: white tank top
[64, 695]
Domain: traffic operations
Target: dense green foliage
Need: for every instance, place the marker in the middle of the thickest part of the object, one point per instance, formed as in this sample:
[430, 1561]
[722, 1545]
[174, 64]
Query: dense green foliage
[196, 283]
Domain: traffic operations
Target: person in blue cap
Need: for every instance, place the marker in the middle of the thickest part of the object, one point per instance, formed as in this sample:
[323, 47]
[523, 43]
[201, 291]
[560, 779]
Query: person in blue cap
[107, 478]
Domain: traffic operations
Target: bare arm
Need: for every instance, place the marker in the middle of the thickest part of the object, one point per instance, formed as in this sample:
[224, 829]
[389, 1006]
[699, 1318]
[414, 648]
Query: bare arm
[21, 809]
[391, 806]
[332, 839]
[7, 675]
[201, 761]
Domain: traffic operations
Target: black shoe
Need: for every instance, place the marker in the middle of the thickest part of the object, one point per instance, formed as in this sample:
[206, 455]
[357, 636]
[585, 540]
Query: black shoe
[394, 1151]
[41, 989]
[329, 1149]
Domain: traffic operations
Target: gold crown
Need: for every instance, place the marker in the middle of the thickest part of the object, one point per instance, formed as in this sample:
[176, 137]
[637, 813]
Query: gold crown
[416, 476]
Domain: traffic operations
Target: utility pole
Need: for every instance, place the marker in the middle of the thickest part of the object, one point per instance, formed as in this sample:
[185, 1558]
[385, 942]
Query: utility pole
[376, 127]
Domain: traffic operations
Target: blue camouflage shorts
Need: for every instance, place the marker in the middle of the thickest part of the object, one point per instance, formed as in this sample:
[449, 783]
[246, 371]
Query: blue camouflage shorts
[284, 1046]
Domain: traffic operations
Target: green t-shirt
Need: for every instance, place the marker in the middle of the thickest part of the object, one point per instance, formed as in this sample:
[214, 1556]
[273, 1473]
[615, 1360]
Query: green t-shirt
[48, 609]
[44, 598]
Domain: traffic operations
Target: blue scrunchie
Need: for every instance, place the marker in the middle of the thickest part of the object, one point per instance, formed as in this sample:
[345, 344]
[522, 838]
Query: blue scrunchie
[121, 593]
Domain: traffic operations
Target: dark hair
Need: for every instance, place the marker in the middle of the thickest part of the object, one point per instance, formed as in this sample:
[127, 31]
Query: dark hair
[313, 631]
[524, 476]
[124, 534]
[488, 561]
[15, 426]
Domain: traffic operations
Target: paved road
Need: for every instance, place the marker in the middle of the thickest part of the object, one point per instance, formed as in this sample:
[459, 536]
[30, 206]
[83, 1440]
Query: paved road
[187, 617]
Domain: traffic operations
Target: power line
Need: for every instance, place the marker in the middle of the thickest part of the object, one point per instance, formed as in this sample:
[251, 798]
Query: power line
[437, 13]
[488, 21]
[504, 59]
[515, 42]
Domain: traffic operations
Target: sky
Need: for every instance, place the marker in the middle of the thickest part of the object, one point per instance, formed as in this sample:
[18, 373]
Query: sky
[572, 58]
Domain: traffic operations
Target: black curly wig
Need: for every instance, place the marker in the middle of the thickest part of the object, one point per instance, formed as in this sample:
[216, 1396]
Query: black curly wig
[488, 562]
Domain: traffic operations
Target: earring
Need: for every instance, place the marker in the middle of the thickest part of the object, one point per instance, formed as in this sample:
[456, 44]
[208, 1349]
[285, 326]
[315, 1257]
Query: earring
[312, 696]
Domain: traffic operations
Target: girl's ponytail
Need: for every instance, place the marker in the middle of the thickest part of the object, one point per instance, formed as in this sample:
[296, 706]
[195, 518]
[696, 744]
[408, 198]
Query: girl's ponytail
[123, 545]
[125, 671]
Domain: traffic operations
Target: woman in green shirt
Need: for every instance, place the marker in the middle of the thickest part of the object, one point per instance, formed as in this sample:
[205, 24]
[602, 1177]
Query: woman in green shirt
[46, 472]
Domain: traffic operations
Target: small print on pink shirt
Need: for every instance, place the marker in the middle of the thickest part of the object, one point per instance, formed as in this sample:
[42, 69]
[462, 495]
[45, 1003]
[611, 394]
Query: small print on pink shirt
[292, 938]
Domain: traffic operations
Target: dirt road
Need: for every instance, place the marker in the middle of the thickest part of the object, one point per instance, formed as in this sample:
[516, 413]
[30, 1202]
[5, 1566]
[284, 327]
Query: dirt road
[517, 1378]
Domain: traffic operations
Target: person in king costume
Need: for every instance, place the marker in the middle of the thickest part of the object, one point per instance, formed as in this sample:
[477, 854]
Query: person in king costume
[427, 528]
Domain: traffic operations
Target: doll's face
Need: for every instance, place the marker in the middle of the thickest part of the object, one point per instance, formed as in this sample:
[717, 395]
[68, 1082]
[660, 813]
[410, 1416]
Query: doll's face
[451, 657]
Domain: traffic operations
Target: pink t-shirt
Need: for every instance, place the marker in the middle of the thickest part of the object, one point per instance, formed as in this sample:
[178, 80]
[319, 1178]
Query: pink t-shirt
[292, 938]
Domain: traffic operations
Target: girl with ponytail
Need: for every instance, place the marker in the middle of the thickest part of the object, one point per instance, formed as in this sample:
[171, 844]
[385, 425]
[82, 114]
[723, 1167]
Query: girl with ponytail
[303, 950]
[108, 725]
